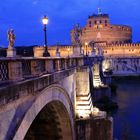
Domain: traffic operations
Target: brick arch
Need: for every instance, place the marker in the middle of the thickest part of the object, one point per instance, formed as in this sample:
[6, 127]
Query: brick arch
[48, 95]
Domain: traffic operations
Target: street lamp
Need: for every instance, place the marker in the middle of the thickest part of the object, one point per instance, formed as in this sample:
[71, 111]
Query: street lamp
[86, 44]
[45, 22]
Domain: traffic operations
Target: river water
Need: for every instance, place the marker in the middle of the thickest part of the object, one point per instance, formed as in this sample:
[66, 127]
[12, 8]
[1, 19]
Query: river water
[127, 118]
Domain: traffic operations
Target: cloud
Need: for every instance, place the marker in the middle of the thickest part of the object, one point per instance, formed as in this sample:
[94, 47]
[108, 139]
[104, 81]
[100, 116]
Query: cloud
[35, 2]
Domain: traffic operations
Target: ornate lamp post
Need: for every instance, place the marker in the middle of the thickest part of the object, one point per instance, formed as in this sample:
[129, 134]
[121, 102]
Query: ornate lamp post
[45, 22]
[86, 44]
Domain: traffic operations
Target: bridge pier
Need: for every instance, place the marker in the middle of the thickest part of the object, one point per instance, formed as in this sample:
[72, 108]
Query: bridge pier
[83, 96]
[100, 87]
[94, 129]
[91, 124]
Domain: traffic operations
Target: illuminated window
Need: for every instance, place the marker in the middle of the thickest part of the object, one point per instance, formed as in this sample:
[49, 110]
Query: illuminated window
[100, 26]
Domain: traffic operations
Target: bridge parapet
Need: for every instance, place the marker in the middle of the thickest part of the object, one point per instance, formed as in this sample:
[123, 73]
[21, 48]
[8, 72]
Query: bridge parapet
[16, 69]
[22, 73]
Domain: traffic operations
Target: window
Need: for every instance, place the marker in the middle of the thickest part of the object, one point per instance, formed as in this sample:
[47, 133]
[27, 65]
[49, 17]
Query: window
[89, 23]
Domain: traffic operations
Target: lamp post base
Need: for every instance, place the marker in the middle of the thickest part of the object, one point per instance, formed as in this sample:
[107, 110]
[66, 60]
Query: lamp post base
[46, 54]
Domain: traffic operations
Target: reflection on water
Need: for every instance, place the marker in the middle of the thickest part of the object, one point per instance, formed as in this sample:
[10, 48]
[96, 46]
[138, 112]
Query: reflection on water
[127, 118]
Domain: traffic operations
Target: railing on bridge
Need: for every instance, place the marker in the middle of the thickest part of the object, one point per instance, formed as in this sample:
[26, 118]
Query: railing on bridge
[16, 69]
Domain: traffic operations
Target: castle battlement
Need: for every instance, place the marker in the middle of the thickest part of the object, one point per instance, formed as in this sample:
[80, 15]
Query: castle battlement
[120, 27]
[131, 45]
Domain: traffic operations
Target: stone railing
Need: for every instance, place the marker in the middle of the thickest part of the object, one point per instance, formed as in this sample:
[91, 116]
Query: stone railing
[17, 69]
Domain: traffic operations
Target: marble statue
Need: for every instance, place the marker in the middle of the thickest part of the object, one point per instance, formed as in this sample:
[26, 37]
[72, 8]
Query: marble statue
[11, 38]
[76, 35]
[76, 41]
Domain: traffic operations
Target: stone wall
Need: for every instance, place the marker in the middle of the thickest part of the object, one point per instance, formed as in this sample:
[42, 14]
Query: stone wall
[111, 34]
[65, 51]
[121, 50]
[112, 50]
[126, 66]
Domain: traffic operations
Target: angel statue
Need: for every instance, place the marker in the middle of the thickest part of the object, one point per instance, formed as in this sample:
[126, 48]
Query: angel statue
[75, 35]
[75, 38]
[11, 37]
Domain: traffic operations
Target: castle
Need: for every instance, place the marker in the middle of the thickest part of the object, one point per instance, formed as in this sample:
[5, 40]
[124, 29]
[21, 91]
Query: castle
[115, 40]
[99, 28]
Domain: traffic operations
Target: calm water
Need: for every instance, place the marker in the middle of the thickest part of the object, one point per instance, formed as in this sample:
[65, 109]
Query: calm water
[127, 118]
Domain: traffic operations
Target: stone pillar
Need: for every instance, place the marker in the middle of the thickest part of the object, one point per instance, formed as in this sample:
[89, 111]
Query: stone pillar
[63, 63]
[15, 70]
[80, 61]
[70, 62]
[58, 64]
[76, 51]
[49, 65]
[35, 69]
[66, 63]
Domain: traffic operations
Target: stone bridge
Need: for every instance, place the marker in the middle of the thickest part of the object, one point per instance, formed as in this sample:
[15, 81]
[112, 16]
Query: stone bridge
[42, 97]
[123, 66]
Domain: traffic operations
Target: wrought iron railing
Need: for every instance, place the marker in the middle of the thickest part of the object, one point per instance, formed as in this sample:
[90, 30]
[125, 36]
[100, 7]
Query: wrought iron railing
[3, 70]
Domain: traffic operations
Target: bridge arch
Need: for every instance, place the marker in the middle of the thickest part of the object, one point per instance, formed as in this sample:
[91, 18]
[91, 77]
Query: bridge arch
[53, 104]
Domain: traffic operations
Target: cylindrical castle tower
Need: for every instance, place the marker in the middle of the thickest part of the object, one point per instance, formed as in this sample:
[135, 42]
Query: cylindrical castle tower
[98, 28]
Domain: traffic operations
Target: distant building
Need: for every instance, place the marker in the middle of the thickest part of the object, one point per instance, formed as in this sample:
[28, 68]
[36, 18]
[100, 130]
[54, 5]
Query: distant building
[99, 28]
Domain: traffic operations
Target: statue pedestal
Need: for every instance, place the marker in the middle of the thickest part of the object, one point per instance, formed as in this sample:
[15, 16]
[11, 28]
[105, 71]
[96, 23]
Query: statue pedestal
[11, 52]
[93, 53]
[57, 54]
[76, 51]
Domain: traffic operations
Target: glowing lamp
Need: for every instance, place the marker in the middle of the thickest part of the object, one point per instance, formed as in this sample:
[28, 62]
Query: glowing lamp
[68, 51]
[86, 43]
[45, 20]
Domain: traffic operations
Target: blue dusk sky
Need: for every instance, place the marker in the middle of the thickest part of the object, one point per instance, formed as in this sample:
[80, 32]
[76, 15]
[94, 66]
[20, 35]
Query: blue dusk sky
[24, 16]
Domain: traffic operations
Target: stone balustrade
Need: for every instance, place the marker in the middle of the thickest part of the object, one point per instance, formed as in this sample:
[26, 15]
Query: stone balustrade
[16, 69]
